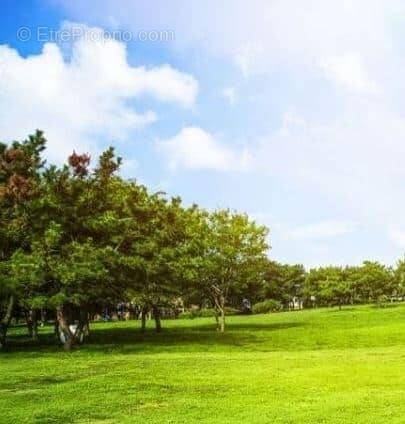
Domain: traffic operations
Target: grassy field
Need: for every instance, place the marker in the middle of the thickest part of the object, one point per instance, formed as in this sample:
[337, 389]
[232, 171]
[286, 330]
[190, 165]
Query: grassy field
[320, 366]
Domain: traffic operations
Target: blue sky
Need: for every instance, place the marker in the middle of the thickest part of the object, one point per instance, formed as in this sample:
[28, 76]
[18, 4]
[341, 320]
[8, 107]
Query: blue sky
[290, 111]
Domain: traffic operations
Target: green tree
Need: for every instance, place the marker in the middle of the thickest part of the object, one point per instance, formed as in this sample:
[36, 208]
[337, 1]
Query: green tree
[77, 240]
[283, 282]
[20, 170]
[374, 282]
[329, 286]
[232, 254]
[399, 279]
[158, 251]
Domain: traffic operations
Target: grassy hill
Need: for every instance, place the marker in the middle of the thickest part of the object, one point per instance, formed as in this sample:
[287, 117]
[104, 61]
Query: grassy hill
[315, 366]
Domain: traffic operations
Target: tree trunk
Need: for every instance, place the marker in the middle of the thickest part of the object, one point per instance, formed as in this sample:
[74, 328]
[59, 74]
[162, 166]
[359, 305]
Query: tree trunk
[64, 327]
[28, 322]
[56, 328]
[69, 342]
[71, 338]
[84, 324]
[216, 312]
[222, 320]
[143, 318]
[3, 335]
[43, 317]
[220, 307]
[156, 316]
[31, 318]
[86, 328]
[5, 322]
[34, 335]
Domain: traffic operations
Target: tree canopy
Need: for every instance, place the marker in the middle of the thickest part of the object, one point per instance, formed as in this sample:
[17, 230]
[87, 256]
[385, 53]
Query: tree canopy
[78, 239]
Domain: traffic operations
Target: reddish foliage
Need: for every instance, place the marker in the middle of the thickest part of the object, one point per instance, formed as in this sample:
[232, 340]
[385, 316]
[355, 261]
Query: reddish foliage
[18, 187]
[79, 163]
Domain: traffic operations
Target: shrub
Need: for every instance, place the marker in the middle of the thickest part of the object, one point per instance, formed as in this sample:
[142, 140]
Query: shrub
[232, 311]
[267, 306]
[206, 313]
[197, 313]
[382, 301]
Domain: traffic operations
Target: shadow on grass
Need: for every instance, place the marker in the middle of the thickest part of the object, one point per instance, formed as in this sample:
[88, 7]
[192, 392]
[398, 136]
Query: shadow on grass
[362, 307]
[32, 383]
[129, 339]
[344, 309]
[244, 326]
[387, 306]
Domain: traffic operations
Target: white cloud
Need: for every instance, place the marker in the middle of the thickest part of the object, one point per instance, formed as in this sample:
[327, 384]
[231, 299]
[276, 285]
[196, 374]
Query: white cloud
[352, 163]
[261, 35]
[320, 230]
[247, 55]
[292, 124]
[344, 148]
[349, 71]
[397, 235]
[229, 93]
[84, 98]
[194, 148]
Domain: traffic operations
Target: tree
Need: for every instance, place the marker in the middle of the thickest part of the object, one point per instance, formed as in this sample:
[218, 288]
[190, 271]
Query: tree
[20, 168]
[283, 282]
[7, 301]
[373, 281]
[232, 253]
[76, 240]
[159, 231]
[328, 285]
[334, 289]
[399, 279]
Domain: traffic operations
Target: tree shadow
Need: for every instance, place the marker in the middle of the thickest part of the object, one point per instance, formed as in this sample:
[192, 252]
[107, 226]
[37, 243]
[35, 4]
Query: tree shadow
[388, 306]
[130, 339]
[32, 383]
[249, 326]
[336, 309]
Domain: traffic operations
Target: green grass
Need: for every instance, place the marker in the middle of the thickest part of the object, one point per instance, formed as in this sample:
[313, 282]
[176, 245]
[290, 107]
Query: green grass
[321, 366]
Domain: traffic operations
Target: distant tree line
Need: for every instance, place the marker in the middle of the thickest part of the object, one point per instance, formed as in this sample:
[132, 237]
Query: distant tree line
[78, 238]
[370, 282]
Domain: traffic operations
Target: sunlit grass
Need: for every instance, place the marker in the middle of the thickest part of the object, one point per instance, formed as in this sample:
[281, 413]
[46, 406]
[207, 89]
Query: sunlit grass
[320, 366]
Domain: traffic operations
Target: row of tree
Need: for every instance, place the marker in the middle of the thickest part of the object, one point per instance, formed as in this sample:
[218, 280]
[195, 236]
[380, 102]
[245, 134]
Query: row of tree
[370, 282]
[76, 239]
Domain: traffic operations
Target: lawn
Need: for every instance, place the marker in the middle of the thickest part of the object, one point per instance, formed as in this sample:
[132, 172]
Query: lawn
[315, 366]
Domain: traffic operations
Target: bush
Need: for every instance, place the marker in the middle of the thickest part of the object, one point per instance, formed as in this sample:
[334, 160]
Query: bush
[232, 311]
[206, 313]
[382, 301]
[267, 306]
[197, 313]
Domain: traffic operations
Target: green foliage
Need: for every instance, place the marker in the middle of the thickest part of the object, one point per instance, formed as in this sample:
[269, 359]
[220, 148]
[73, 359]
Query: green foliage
[373, 280]
[231, 254]
[20, 171]
[198, 313]
[207, 312]
[370, 282]
[328, 285]
[283, 282]
[267, 306]
[75, 240]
